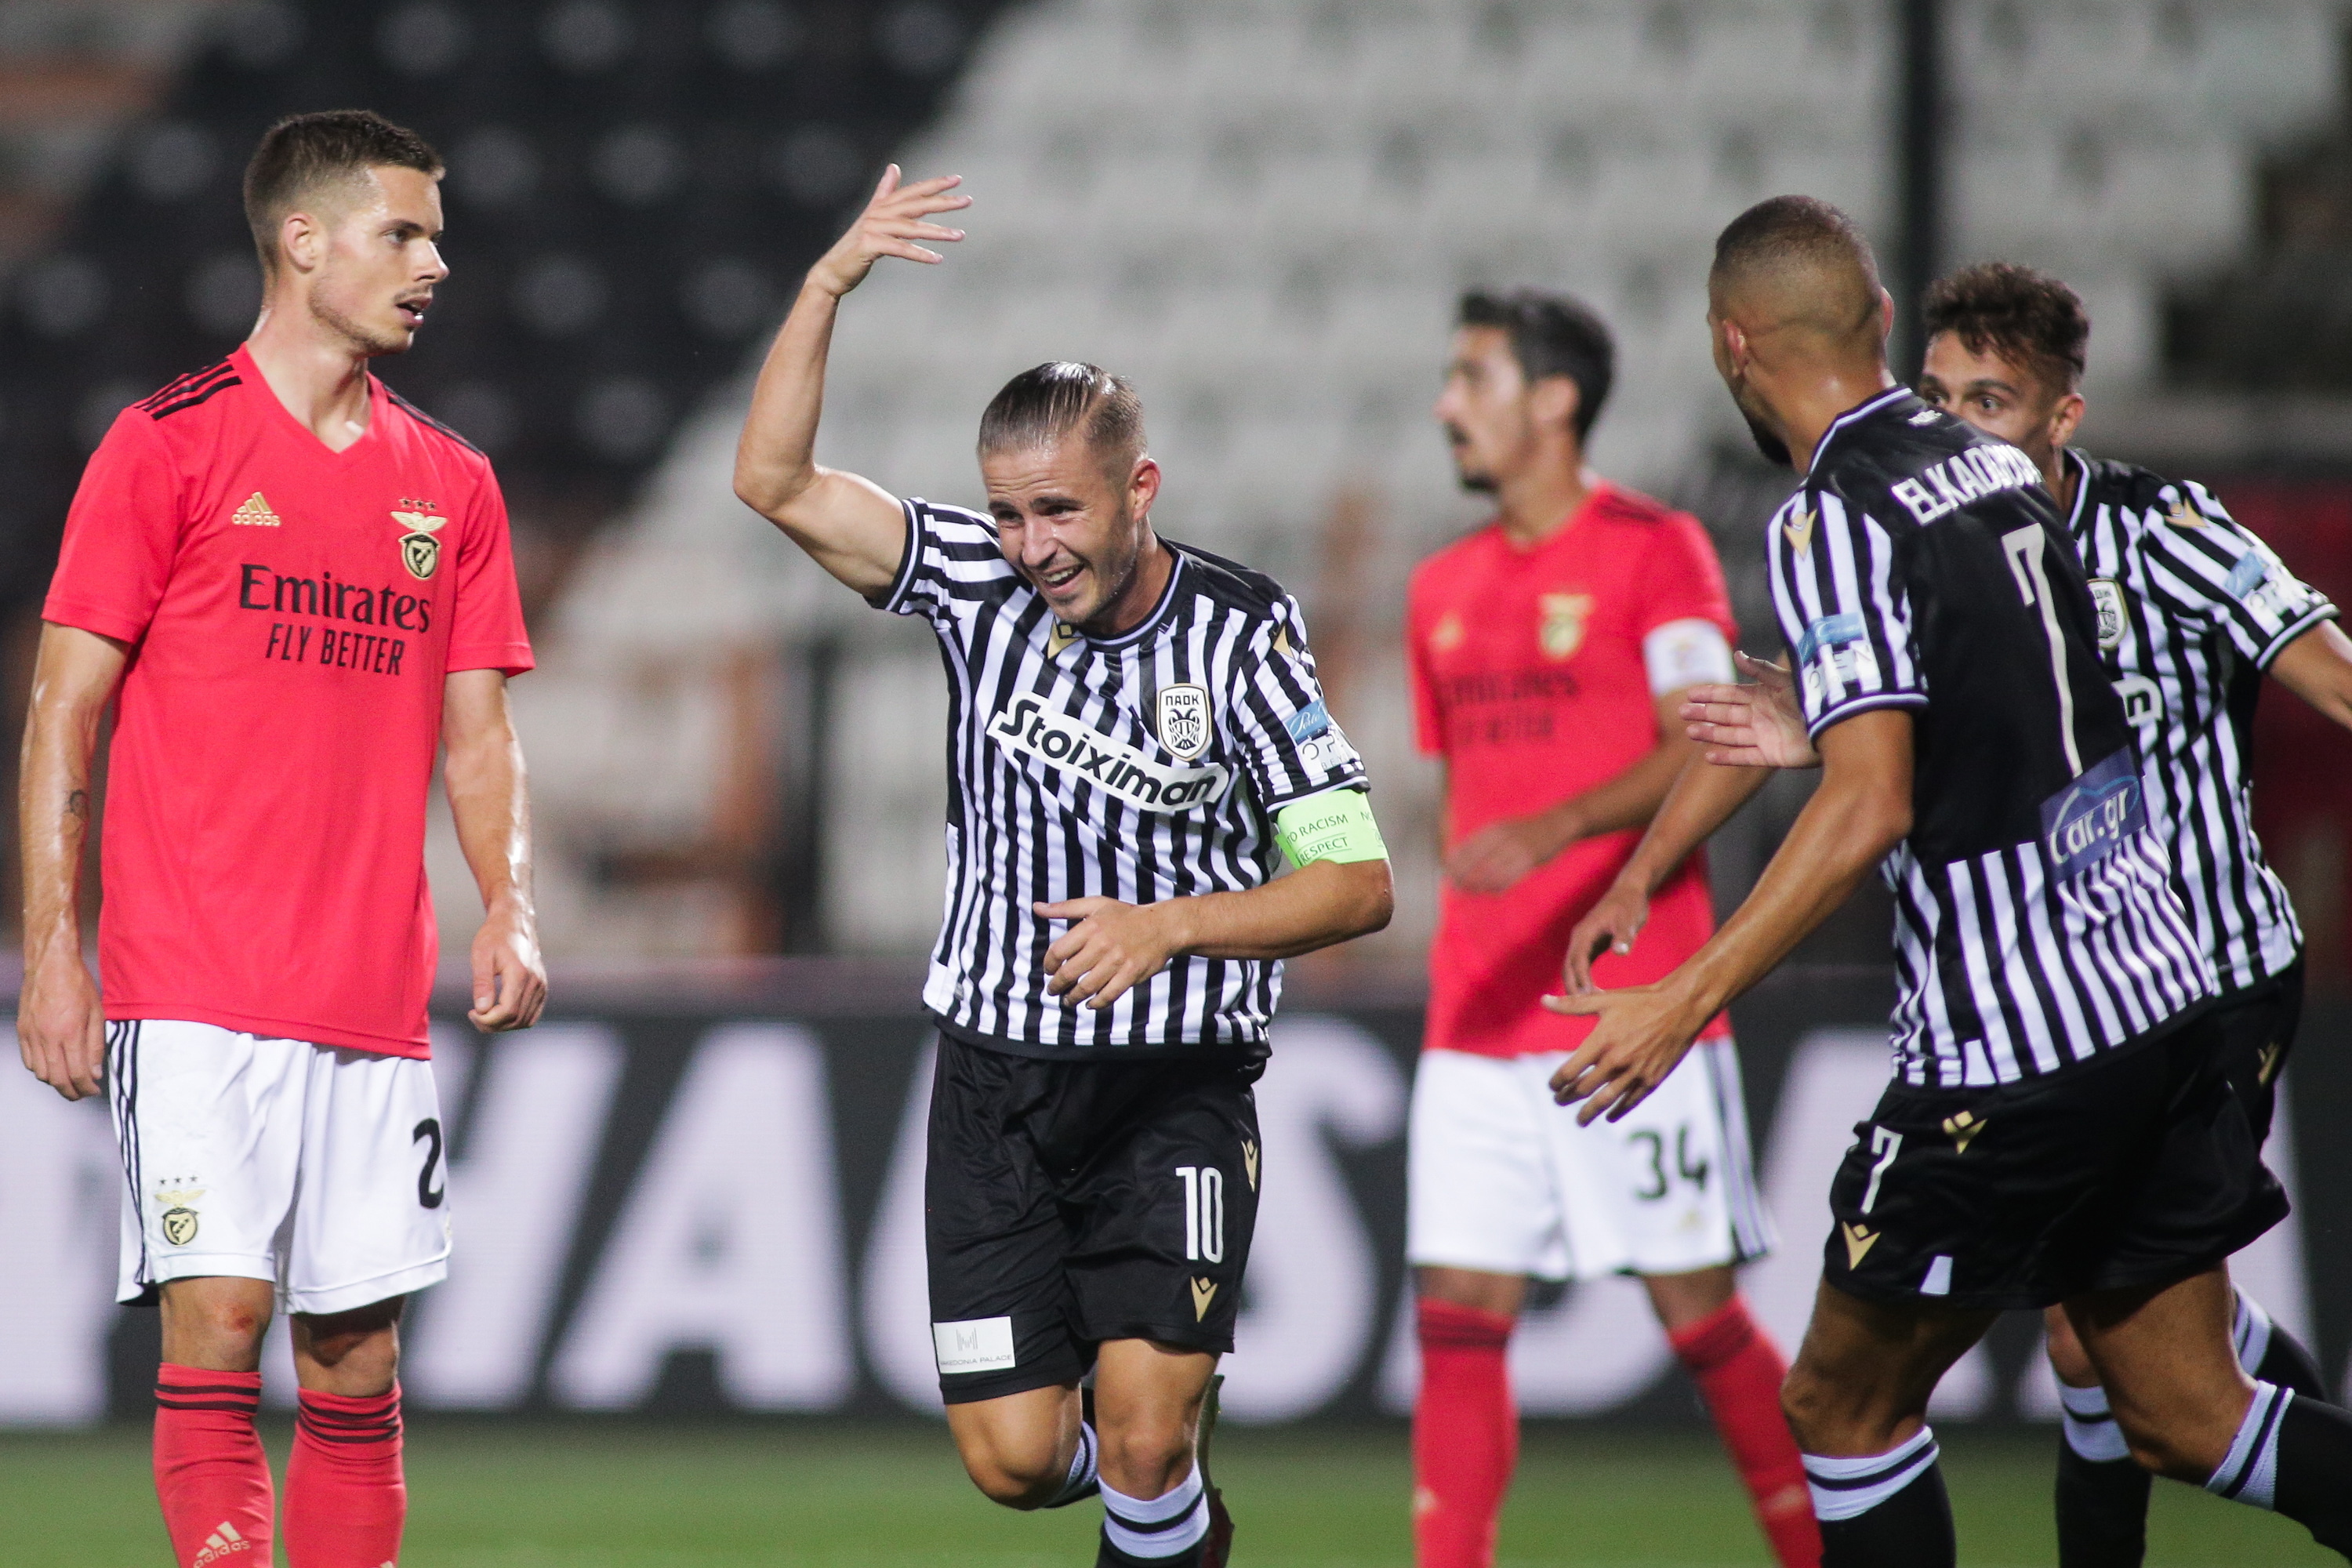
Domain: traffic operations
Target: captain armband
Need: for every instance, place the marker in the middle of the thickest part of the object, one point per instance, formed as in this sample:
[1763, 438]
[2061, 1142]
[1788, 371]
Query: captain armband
[1334, 825]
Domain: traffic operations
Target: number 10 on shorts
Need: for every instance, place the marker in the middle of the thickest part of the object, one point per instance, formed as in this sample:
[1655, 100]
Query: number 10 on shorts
[1204, 1213]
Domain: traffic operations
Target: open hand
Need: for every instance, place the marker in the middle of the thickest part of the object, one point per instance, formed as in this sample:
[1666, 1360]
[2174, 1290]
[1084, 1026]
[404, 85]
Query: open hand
[1113, 948]
[1609, 926]
[891, 223]
[1642, 1033]
[1756, 726]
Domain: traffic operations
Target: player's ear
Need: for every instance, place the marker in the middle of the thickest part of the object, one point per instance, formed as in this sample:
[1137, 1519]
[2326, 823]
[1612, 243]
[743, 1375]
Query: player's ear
[302, 241]
[1554, 400]
[2066, 418]
[1142, 486]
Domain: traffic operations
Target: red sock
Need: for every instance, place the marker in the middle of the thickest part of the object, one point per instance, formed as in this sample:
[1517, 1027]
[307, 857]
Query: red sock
[345, 1497]
[1739, 1370]
[1465, 1436]
[211, 1474]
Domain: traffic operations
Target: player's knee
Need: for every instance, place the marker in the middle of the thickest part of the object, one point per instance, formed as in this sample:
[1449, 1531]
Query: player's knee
[1012, 1485]
[1805, 1403]
[1147, 1456]
[2181, 1445]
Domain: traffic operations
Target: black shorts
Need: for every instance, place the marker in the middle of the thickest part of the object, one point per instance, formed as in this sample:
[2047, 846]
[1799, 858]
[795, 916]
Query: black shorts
[2135, 1168]
[2258, 1027]
[1070, 1203]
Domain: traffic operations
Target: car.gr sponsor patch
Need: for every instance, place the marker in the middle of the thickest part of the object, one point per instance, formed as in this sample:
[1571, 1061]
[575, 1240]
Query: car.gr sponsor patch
[2088, 820]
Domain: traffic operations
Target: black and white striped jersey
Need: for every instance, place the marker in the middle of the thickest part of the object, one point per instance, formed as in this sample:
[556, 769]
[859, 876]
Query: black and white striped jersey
[1922, 566]
[2192, 609]
[1143, 767]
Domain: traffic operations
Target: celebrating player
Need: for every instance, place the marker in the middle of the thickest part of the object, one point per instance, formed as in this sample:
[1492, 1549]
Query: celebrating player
[2062, 1128]
[297, 586]
[2192, 610]
[1137, 740]
[1549, 651]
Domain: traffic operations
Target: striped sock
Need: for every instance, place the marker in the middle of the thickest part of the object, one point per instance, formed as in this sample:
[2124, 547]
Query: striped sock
[2269, 1353]
[1082, 1482]
[346, 1497]
[2250, 1473]
[1883, 1510]
[1164, 1529]
[2090, 1426]
[210, 1474]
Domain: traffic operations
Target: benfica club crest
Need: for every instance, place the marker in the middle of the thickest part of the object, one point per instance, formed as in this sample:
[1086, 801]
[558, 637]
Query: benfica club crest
[1562, 632]
[419, 550]
[1184, 719]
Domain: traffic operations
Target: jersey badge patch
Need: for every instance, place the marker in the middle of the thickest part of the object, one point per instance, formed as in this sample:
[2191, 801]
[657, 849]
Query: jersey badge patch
[1204, 1292]
[1061, 635]
[1859, 1240]
[1249, 1157]
[2088, 820]
[1962, 1129]
[2108, 598]
[419, 550]
[2247, 575]
[1309, 722]
[255, 513]
[1562, 631]
[2181, 514]
[179, 1219]
[1799, 529]
[1184, 719]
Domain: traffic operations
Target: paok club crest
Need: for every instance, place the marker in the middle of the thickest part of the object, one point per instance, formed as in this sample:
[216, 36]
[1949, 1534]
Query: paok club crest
[1184, 719]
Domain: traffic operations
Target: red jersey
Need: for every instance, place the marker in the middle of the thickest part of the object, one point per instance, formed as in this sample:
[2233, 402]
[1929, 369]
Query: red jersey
[1533, 674]
[292, 612]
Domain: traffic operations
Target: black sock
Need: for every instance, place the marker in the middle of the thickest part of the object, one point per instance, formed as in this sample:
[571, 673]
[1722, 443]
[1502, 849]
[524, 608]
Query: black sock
[1889, 1510]
[2102, 1495]
[2287, 1362]
[2102, 1511]
[2314, 1484]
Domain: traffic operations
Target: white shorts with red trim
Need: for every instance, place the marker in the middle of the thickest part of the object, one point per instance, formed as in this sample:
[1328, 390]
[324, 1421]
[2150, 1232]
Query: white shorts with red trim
[1501, 1180]
[319, 1168]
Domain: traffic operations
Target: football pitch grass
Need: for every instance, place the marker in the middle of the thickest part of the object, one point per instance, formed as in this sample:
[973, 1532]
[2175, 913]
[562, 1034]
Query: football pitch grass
[583, 1495]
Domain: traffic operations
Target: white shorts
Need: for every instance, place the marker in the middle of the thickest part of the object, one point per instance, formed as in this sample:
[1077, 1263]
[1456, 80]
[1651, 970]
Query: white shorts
[321, 1170]
[1501, 1180]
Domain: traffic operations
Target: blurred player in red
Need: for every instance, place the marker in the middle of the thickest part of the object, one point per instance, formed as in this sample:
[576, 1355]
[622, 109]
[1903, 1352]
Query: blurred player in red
[1549, 651]
[296, 587]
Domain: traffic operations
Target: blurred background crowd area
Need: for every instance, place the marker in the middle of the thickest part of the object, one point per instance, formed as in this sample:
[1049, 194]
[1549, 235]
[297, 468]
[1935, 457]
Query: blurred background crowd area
[1262, 212]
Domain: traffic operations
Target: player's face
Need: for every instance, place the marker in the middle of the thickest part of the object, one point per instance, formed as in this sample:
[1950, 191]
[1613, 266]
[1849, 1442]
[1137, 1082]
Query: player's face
[380, 261]
[1484, 409]
[1070, 525]
[2004, 400]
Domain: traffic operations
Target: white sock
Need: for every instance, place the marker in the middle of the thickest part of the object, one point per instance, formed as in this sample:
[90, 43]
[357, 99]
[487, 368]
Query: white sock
[1164, 1526]
[1081, 1478]
[2250, 1474]
[1848, 1489]
[2250, 1331]
[2091, 1429]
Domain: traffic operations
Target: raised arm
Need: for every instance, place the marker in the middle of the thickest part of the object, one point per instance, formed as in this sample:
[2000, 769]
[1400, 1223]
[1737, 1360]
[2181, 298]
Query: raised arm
[60, 1021]
[490, 800]
[850, 526]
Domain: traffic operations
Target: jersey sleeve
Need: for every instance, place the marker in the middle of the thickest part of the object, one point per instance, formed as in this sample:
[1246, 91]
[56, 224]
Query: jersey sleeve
[122, 534]
[2205, 568]
[486, 630]
[1843, 612]
[1684, 618]
[1285, 737]
[950, 554]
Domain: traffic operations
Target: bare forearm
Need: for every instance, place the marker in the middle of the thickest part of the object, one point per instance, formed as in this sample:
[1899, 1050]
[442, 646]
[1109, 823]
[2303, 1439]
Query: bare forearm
[53, 823]
[489, 799]
[2317, 667]
[1315, 907]
[1630, 799]
[1701, 798]
[775, 459]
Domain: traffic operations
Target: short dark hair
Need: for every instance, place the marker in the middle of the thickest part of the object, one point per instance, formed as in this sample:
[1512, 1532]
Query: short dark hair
[304, 152]
[1046, 402]
[1781, 229]
[2022, 315]
[1552, 334]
